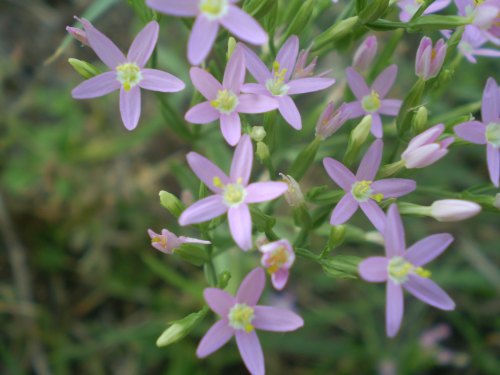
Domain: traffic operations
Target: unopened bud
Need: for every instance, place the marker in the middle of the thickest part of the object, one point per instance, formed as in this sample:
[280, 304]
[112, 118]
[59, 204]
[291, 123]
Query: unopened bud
[83, 68]
[231, 45]
[293, 195]
[224, 278]
[262, 151]
[419, 121]
[429, 60]
[171, 203]
[362, 130]
[78, 34]
[454, 210]
[331, 120]
[364, 55]
[180, 328]
[258, 133]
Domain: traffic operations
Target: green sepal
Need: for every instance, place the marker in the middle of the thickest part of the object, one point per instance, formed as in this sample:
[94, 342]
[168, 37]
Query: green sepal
[179, 329]
[341, 266]
[373, 11]
[262, 222]
[192, 253]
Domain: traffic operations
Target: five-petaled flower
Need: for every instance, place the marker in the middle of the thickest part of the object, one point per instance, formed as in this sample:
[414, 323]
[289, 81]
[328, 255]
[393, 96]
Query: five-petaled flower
[224, 101]
[127, 72]
[209, 15]
[403, 268]
[371, 101]
[278, 258]
[232, 193]
[278, 82]
[167, 242]
[241, 316]
[488, 131]
[410, 7]
[361, 189]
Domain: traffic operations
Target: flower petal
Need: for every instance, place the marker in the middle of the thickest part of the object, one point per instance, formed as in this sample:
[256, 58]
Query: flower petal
[202, 113]
[230, 126]
[103, 47]
[274, 319]
[201, 40]
[427, 249]
[370, 163]
[250, 103]
[374, 213]
[96, 86]
[394, 187]
[241, 167]
[240, 225]
[218, 335]
[377, 129]
[493, 159]
[184, 8]
[203, 210]
[205, 83]
[344, 210]
[156, 80]
[130, 107]
[234, 75]
[385, 80]
[251, 351]
[394, 234]
[256, 88]
[357, 83]
[265, 191]
[144, 44]
[287, 55]
[206, 171]
[394, 308]
[472, 131]
[289, 111]
[339, 173]
[490, 109]
[429, 292]
[251, 287]
[305, 85]
[354, 109]
[244, 26]
[255, 65]
[219, 300]
[374, 269]
[390, 107]
[280, 278]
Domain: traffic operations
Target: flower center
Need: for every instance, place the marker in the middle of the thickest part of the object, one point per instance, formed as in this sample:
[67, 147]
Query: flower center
[277, 259]
[129, 75]
[162, 240]
[233, 194]
[362, 191]
[371, 103]
[277, 85]
[399, 269]
[493, 134]
[226, 102]
[214, 9]
[240, 317]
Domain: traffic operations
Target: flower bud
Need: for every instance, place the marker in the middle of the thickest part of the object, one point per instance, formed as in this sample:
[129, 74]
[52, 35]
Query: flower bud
[425, 150]
[231, 45]
[180, 328]
[258, 133]
[262, 151]
[83, 68]
[454, 210]
[171, 203]
[78, 34]
[331, 120]
[301, 69]
[362, 131]
[293, 195]
[364, 55]
[167, 242]
[429, 60]
[419, 121]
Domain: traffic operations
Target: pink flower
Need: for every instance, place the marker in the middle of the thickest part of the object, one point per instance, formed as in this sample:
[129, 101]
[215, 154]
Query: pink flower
[425, 150]
[471, 45]
[278, 258]
[241, 316]
[410, 7]
[127, 73]
[166, 242]
[224, 101]
[429, 60]
[232, 193]
[364, 55]
[210, 14]
[485, 17]
[362, 191]
[278, 84]
[78, 34]
[371, 101]
[402, 268]
[488, 131]
[331, 120]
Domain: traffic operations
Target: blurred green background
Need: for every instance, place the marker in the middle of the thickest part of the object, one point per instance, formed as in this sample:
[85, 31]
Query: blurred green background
[82, 291]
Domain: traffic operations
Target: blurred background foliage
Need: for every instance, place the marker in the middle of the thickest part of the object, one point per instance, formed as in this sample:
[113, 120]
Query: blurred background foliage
[82, 291]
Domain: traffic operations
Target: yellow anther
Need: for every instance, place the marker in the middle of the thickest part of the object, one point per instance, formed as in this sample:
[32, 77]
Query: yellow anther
[129, 75]
[377, 197]
[241, 316]
[226, 102]
[423, 272]
[217, 182]
[162, 240]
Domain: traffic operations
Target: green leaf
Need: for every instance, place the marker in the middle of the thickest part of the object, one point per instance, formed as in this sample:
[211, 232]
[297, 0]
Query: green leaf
[341, 266]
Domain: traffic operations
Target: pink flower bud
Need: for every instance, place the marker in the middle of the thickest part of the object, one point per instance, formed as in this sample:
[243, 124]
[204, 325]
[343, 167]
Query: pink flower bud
[167, 242]
[278, 258]
[364, 55]
[331, 120]
[429, 60]
[454, 210]
[302, 70]
[78, 34]
[425, 150]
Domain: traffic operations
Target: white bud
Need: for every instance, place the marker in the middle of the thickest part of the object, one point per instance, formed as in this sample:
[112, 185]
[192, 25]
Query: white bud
[454, 210]
[258, 133]
[293, 195]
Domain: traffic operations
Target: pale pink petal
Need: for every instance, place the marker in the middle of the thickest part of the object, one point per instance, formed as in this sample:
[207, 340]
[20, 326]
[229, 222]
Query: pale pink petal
[427, 249]
[275, 319]
[104, 48]
[130, 107]
[202, 113]
[374, 213]
[265, 191]
[394, 308]
[374, 269]
[250, 103]
[193, 240]
[394, 234]
[287, 55]
[255, 65]
[471, 131]
[218, 335]
[240, 225]
[354, 109]
[156, 80]
[96, 86]
[203, 210]
[241, 167]
[429, 292]
[289, 111]
[385, 80]
[255, 88]
[339, 173]
[251, 287]
[280, 278]
[394, 187]
[144, 44]
[251, 351]
[219, 300]
[490, 109]
[493, 159]
[357, 83]
[244, 26]
[206, 171]
[305, 85]
[370, 162]
[377, 129]
[202, 38]
[343, 211]
[234, 75]
[205, 83]
[230, 126]
[390, 107]
[184, 8]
